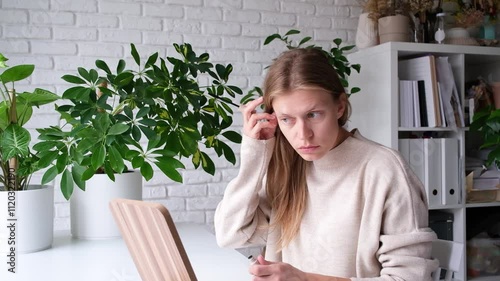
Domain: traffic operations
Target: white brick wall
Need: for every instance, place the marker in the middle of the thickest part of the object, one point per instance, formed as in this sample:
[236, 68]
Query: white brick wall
[60, 35]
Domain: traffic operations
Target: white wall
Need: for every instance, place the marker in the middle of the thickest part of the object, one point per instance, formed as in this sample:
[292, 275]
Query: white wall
[60, 35]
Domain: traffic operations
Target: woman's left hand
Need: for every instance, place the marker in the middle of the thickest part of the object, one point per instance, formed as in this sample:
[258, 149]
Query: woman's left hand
[275, 271]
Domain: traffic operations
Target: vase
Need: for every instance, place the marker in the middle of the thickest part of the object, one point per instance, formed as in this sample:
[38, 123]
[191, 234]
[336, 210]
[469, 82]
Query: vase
[488, 29]
[394, 29]
[31, 227]
[366, 32]
[91, 217]
[457, 32]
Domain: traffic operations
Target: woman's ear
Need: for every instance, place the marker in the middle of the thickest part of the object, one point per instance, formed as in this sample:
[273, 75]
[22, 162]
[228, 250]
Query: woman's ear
[342, 104]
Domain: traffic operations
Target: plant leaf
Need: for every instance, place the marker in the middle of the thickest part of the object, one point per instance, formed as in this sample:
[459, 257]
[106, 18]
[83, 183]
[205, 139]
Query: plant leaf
[135, 54]
[98, 157]
[84, 73]
[15, 142]
[67, 184]
[137, 161]
[270, 38]
[62, 160]
[169, 167]
[73, 79]
[147, 171]
[77, 172]
[38, 97]
[89, 172]
[292, 32]
[116, 160]
[109, 171]
[102, 65]
[17, 73]
[232, 136]
[118, 129]
[207, 164]
[49, 175]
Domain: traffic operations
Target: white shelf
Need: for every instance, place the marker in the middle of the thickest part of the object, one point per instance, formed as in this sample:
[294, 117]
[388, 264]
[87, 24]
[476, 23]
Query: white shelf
[376, 107]
[481, 205]
[485, 278]
[425, 129]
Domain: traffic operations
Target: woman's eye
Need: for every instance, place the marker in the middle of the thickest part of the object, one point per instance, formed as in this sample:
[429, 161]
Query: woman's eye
[313, 115]
[285, 120]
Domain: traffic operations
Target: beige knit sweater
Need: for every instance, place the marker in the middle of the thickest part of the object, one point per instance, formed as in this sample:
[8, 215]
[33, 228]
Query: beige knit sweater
[366, 215]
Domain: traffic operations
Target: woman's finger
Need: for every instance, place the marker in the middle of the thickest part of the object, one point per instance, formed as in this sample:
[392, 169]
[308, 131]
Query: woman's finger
[259, 118]
[250, 108]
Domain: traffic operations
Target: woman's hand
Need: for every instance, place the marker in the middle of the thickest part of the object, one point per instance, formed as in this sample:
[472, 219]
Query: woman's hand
[260, 126]
[275, 271]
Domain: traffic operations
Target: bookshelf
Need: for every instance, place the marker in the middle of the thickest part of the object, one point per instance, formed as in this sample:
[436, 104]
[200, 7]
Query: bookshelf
[376, 109]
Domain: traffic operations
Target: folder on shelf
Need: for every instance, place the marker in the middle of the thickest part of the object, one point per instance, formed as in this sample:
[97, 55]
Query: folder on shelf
[432, 171]
[448, 90]
[406, 108]
[450, 174]
[404, 149]
[423, 68]
[416, 156]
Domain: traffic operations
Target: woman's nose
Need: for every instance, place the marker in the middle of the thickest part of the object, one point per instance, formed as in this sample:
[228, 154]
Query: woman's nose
[303, 130]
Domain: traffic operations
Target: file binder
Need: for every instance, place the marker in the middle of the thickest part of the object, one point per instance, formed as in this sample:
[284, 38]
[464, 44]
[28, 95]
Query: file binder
[450, 183]
[416, 155]
[432, 171]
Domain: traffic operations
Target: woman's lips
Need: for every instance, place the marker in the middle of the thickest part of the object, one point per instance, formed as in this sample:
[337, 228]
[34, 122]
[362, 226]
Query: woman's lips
[308, 148]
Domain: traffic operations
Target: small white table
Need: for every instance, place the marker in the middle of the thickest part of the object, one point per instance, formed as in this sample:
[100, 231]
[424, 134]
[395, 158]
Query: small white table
[109, 260]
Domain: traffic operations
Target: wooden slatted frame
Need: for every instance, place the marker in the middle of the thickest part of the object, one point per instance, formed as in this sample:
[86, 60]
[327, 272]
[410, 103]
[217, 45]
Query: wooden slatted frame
[152, 240]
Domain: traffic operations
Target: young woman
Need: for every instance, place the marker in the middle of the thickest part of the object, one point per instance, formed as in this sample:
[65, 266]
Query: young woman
[327, 203]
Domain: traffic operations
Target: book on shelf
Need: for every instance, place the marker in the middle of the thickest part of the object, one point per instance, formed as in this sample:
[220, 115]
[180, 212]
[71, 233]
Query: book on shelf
[438, 98]
[424, 68]
[452, 107]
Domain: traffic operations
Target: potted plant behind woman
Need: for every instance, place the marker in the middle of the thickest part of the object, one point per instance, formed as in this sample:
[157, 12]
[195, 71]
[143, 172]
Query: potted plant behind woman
[135, 119]
[26, 211]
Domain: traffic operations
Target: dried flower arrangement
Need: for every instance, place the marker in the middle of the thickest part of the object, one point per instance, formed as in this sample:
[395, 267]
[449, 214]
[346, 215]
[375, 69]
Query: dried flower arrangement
[488, 8]
[421, 7]
[468, 17]
[382, 8]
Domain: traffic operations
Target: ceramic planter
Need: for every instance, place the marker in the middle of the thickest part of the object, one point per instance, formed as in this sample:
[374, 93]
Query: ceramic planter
[27, 219]
[394, 29]
[91, 217]
[367, 32]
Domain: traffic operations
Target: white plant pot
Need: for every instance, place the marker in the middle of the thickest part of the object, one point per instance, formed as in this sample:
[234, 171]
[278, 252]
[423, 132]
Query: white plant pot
[367, 32]
[394, 29]
[31, 229]
[91, 217]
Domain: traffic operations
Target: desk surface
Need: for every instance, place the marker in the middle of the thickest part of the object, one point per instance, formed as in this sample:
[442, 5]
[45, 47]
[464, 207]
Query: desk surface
[109, 260]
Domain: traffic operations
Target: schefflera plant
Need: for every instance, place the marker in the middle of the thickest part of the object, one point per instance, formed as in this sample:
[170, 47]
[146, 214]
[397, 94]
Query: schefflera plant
[152, 116]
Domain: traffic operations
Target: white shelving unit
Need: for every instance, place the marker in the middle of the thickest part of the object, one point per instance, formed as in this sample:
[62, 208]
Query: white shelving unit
[376, 107]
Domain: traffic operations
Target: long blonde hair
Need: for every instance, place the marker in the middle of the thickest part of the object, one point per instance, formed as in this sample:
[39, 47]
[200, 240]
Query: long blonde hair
[286, 185]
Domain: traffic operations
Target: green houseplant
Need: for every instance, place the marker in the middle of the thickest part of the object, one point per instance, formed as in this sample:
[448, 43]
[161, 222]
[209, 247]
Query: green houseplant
[31, 205]
[128, 121]
[486, 121]
[111, 116]
[336, 57]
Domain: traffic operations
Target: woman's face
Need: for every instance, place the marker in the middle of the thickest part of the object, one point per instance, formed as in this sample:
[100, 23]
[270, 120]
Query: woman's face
[308, 118]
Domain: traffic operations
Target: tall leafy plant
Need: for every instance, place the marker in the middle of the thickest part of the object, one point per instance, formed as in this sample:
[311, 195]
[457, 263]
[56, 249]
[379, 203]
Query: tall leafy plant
[17, 161]
[151, 115]
[487, 122]
[336, 56]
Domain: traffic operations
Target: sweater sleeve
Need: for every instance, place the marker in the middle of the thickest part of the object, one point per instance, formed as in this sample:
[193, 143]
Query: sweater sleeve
[242, 217]
[405, 241]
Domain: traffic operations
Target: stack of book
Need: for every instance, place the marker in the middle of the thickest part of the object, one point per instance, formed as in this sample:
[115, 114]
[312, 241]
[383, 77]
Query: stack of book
[428, 93]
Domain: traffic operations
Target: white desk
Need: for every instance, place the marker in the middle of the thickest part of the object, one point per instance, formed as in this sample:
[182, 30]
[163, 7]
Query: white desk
[109, 260]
